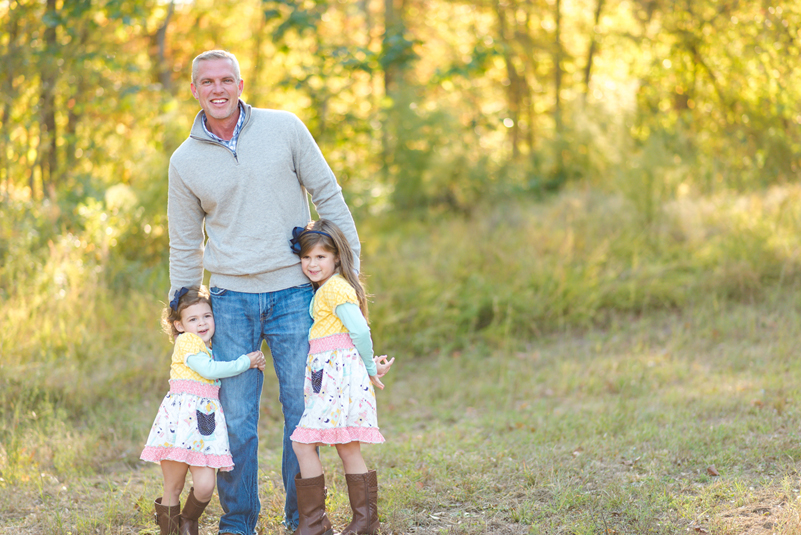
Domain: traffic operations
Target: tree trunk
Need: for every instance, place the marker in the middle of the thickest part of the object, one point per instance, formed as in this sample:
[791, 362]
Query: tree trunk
[558, 68]
[162, 73]
[48, 159]
[593, 48]
[8, 93]
[73, 107]
[528, 96]
[390, 27]
[514, 92]
[559, 175]
[258, 62]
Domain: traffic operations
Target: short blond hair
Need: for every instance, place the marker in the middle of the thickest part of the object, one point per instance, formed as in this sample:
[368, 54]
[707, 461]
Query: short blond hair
[215, 54]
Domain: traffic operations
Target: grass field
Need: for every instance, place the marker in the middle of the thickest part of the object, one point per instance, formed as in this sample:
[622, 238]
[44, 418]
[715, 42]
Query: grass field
[593, 376]
[669, 423]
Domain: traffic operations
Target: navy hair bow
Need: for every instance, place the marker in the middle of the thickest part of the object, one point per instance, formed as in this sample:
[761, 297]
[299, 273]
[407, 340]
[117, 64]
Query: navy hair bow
[297, 232]
[178, 295]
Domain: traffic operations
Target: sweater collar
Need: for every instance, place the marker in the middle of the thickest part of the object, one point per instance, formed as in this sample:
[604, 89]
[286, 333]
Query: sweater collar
[198, 132]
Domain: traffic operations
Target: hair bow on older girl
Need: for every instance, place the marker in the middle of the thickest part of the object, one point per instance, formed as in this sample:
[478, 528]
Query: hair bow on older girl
[297, 232]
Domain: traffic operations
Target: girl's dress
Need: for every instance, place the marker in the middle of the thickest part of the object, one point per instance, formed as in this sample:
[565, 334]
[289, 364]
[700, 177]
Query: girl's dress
[190, 424]
[339, 397]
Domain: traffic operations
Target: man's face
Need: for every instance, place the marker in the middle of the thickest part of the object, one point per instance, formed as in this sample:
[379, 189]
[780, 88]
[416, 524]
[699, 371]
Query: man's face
[217, 89]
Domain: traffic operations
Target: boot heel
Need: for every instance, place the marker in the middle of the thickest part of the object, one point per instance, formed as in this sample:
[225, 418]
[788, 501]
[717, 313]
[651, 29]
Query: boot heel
[167, 517]
[311, 506]
[193, 509]
[363, 495]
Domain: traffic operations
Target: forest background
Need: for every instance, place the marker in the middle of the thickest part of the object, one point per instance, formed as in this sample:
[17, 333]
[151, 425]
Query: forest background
[590, 198]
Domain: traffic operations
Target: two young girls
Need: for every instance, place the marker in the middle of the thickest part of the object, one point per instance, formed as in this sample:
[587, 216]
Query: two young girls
[189, 432]
[341, 374]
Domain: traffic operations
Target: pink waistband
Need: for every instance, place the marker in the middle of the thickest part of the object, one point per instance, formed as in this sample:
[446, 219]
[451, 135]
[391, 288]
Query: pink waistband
[330, 343]
[180, 386]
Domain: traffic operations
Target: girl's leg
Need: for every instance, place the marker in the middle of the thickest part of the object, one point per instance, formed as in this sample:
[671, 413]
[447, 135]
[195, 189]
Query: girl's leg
[199, 497]
[309, 460]
[362, 490]
[352, 460]
[174, 473]
[203, 479]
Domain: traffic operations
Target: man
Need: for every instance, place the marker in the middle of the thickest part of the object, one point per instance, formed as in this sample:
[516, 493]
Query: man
[243, 175]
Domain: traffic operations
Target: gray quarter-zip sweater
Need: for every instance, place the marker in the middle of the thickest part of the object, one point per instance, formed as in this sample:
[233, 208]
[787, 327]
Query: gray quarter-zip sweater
[248, 203]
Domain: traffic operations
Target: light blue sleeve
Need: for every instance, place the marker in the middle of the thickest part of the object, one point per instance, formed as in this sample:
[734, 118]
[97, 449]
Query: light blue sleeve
[352, 318]
[213, 369]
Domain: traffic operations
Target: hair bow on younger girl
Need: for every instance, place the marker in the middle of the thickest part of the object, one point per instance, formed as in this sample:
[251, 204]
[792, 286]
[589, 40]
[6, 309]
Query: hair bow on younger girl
[178, 295]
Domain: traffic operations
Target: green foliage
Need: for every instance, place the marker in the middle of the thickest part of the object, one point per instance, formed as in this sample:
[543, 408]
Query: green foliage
[522, 270]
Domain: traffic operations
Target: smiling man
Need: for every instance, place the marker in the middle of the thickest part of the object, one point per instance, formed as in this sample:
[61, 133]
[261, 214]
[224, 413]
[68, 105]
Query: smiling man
[237, 187]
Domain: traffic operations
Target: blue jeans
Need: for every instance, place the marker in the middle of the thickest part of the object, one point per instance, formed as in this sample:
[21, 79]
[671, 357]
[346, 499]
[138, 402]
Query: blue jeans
[242, 321]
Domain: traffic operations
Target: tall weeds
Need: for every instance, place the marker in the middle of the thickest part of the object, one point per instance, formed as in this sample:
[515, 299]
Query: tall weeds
[82, 354]
[521, 269]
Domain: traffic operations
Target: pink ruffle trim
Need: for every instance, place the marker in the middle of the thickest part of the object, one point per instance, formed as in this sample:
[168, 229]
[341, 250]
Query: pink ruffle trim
[224, 463]
[180, 386]
[368, 435]
[330, 343]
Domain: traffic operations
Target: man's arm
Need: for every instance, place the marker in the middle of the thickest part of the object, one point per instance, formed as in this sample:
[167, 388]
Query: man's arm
[185, 217]
[316, 176]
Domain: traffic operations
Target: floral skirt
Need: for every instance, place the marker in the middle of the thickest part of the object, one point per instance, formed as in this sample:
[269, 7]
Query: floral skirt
[339, 397]
[190, 428]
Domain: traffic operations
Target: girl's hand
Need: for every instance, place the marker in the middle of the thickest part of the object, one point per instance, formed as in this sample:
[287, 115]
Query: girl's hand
[376, 381]
[257, 360]
[382, 365]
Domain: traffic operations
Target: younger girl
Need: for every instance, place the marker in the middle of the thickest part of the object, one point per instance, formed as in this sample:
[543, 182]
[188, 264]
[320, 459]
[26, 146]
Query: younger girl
[190, 432]
[340, 375]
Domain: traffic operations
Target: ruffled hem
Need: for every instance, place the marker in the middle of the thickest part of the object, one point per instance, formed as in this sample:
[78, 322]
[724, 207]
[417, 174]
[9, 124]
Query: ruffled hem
[224, 463]
[343, 435]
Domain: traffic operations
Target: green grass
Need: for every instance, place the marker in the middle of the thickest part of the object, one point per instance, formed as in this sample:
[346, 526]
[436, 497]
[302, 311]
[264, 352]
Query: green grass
[594, 431]
[561, 369]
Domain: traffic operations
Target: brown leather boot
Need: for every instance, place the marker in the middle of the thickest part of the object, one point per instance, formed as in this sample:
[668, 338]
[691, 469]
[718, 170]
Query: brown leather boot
[167, 517]
[363, 494]
[191, 513]
[311, 506]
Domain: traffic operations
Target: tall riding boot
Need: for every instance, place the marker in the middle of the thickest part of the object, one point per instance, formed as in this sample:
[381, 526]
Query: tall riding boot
[363, 494]
[191, 513]
[167, 517]
[311, 506]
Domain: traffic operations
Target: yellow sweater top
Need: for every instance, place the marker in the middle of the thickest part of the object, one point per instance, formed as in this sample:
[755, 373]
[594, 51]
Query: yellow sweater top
[188, 344]
[334, 292]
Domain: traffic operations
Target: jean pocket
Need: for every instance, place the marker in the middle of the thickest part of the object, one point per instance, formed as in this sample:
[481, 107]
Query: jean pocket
[217, 292]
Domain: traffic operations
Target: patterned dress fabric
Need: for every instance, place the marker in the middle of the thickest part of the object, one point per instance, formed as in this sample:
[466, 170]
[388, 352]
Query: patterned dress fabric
[190, 424]
[339, 397]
